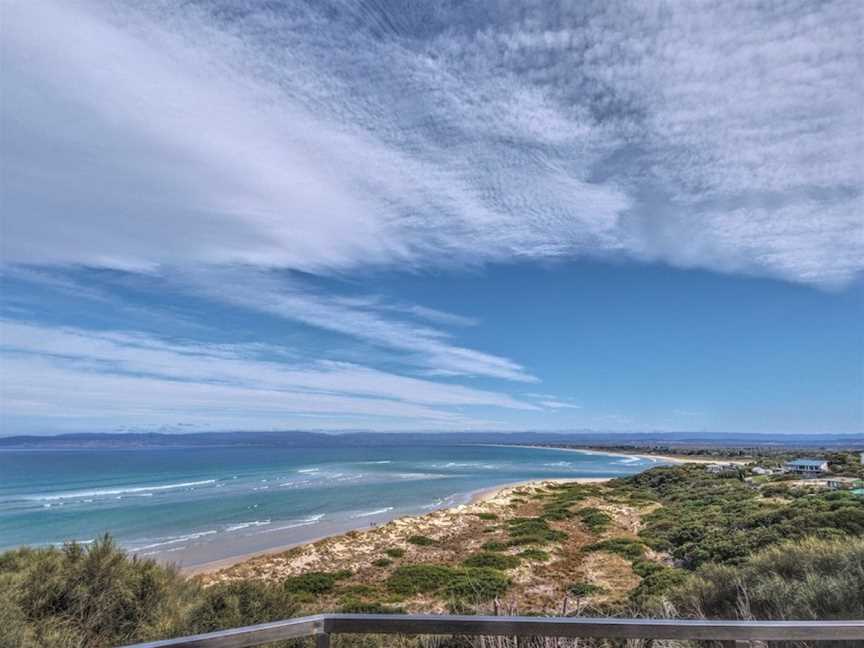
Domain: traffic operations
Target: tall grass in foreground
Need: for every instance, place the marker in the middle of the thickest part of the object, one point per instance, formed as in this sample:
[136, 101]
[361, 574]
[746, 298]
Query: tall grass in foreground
[97, 596]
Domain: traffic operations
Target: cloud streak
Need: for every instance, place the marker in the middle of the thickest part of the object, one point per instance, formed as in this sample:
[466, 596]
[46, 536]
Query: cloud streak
[329, 138]
[73, 372]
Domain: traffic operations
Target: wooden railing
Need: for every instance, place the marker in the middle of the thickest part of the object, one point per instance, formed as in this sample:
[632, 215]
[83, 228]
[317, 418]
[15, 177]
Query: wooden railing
[322, 626]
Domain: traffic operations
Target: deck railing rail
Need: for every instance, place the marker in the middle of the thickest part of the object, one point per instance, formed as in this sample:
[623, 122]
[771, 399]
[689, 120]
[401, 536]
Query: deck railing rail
[322, 626]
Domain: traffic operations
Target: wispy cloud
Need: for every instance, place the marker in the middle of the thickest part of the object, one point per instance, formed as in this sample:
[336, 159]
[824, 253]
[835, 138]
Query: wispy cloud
[555, 404]
[77, 373]
[280, 295]
[326, 138]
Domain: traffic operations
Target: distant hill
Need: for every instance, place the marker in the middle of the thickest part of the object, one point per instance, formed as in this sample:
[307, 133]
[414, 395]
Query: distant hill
[319, 439]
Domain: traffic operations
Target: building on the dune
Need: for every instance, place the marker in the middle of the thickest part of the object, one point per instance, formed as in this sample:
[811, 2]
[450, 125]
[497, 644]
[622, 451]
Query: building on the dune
[844, 483]
[807, 466]
[722, 468]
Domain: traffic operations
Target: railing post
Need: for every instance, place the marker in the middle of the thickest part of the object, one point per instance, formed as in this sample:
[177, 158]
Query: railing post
[322, 640]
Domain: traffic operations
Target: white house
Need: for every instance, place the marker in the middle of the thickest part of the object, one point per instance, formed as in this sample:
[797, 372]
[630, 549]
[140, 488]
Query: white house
[722, 468]
[807, 466]
[843, 483]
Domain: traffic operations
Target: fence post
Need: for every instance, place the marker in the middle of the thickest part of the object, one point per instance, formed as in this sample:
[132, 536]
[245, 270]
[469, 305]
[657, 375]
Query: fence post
[322, 640]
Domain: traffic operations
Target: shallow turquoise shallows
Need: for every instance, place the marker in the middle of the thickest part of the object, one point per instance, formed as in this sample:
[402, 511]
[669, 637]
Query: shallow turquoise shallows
[197, 505]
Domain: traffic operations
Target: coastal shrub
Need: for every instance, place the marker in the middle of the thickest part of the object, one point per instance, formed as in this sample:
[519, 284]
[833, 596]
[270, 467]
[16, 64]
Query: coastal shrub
[593, 518]
[94, 596]
[491, 529]
[811, 578]
[470, 583]
[533, 530]
[625, 547]
[395, 552]
[409, 580]
[494, 545]
[477, 584]
[239, 603]
[583, 588]
[382, 562]
[358, 606]
[421, 540]
[534, 554]
[725, 521]
[656, 580]
[493, 560]
[314, 582]
[487, 516]
[358, 590]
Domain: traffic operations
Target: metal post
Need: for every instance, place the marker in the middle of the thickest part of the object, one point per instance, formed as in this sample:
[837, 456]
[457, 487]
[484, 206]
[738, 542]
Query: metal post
[322, 640]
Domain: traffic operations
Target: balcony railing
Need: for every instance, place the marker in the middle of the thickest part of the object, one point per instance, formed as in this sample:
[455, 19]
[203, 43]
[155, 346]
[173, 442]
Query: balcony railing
[322, 626]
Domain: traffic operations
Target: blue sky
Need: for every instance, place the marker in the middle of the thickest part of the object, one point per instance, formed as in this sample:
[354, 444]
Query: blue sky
[259, 215]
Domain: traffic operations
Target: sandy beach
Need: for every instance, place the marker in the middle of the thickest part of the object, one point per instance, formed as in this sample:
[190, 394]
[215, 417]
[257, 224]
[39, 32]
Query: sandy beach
[481, 501]
[495, 495]
[675, 459]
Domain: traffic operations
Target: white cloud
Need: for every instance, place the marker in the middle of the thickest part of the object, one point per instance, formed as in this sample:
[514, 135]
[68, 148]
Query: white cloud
[555, 404]
[83, 373]
[284, 297]
[312, 138]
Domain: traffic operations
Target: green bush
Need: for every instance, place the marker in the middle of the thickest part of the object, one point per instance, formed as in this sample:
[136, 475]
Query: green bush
[630, 549]
[471, 583]
[534, 554]
[493, 560]
[494, 545]
[533, 530]
[409, 580]
[487, 516]
[477, 584]
[583, 588]
[357, 606]
[421, 540]
[314, 582]
[593, 518]
[395, 552]
[806, 579]
[382, 562]
[94, 596]
[239, 603]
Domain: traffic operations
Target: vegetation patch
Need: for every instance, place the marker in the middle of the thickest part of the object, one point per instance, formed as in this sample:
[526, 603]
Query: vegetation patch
[410, 580]
[493, 560]
[471, 583]
[477, 584]
[395, 552]
[625, 547]
[534, 530]
[583, 588]
[537, 555]
[487, 516]
[382, 562]
[421, 540]
[359, 606]
[594, 519]
[314, 582]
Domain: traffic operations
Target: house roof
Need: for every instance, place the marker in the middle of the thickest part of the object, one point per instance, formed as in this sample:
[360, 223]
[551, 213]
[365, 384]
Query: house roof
[807, 462]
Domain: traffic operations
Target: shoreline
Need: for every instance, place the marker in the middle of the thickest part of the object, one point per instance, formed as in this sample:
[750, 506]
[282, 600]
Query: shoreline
[674, 459]
[344, 526]
[472, 499]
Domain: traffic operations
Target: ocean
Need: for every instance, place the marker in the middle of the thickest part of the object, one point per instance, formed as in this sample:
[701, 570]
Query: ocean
[193, 506]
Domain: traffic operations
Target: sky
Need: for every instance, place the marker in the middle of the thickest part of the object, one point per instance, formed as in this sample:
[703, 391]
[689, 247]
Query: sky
[329, 215]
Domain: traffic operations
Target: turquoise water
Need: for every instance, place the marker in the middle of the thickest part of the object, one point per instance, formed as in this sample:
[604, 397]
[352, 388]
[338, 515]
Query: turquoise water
[202, 504]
